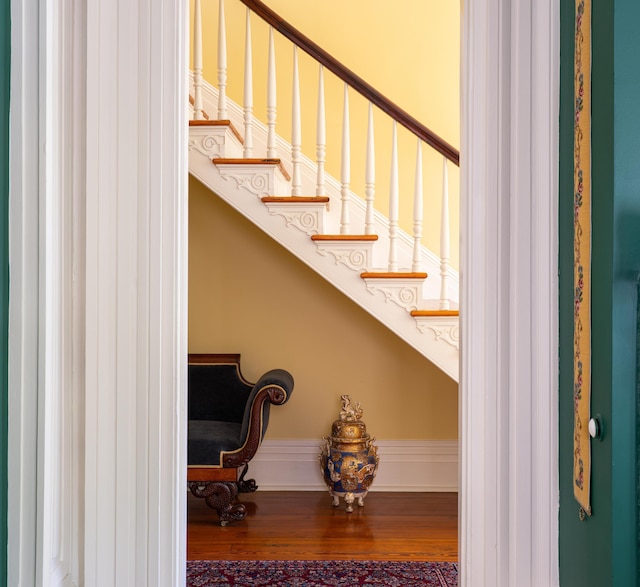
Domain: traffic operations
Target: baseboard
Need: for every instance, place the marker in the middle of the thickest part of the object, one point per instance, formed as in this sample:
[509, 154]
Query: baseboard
[405, 465]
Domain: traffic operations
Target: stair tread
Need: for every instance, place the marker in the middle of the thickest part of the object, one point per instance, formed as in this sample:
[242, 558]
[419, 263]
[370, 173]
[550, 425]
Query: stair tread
[208, 122]
[428, 313]
[247, 161]
[393, 274]
[212, 123]
[344, 237]
[254, 161]
[296, 199]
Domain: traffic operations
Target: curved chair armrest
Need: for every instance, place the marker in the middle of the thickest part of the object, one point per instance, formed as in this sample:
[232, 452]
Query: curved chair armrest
[274, 387]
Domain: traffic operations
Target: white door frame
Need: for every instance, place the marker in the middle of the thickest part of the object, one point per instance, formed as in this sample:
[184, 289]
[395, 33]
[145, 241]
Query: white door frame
[98, 302]
[509, 356]
[98, 269]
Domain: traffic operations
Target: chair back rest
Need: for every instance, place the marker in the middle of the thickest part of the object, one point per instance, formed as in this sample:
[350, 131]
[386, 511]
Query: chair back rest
[217, 391]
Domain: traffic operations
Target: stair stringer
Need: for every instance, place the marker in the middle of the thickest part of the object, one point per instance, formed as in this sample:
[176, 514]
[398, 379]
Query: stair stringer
[441, 349]
[430, 261]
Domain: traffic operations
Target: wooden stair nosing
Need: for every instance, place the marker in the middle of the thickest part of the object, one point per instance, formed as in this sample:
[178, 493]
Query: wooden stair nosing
[296, 199]
[393, 275]
[345, 237]
[254, 161]
[227, 123]
[434, 313]
[207, 122]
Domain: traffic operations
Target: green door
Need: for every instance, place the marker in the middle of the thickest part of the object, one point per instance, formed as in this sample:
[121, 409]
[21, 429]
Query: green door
[602, 550]
[5, 52]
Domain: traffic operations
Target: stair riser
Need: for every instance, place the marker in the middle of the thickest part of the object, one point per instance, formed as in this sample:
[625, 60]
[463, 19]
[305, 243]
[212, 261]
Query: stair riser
[259, 180]
[357, 256]
[405, 293]
[213, 142]
[308, 218]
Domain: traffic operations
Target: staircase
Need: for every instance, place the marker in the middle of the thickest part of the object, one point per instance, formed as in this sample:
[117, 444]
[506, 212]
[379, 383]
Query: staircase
[363, 253]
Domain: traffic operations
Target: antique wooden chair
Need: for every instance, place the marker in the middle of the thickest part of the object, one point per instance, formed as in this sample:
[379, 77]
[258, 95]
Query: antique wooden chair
[228, 417]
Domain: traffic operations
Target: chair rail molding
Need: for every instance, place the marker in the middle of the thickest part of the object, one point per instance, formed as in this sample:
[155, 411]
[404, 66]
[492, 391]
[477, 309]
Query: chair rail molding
[509, 355]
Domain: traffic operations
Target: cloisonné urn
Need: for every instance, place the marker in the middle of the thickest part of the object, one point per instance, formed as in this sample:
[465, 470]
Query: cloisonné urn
[349, 459]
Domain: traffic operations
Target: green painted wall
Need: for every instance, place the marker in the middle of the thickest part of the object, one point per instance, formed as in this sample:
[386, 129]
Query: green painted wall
[626, 245]
[602, 550]
[5, 53]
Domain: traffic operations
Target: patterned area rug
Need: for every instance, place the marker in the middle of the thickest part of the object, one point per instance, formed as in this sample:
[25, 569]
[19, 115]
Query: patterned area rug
[320, 574]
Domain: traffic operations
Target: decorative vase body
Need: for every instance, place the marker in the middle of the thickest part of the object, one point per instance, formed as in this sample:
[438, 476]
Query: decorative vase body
[349, 459]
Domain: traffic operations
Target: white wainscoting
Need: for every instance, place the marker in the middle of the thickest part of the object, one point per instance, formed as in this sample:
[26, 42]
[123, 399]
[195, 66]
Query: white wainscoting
[405, 465]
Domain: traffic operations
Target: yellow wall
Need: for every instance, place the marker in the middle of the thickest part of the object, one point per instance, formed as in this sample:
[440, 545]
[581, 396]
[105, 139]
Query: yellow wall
[409, 51]
[247, 294]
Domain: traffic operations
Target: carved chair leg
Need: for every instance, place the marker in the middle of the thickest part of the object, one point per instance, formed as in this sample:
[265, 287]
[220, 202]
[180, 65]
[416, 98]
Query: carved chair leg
[220, 496]
[248, 485]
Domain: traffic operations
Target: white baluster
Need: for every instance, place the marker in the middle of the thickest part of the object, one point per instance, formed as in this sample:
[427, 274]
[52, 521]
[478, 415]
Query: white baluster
[370, 176]
[197, 62]
[248, 91]
[417, 213]
[345, 167]
[296, 132]
[222, 64]
[321, 137]
[271, 99]
[393, 203]
[444, 239]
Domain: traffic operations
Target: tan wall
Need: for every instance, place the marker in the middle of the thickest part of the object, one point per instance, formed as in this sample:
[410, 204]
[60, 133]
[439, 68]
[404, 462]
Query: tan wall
[247, 294]
[409, 51]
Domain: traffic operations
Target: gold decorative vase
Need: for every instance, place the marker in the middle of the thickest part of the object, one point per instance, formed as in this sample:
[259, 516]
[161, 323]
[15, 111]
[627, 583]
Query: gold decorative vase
[349, 459]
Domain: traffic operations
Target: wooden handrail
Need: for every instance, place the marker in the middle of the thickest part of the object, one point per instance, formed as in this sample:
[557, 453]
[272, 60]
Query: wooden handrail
[353, 80]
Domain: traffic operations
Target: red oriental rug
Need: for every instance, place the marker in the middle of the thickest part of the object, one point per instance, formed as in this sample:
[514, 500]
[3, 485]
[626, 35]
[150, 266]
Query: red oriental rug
[320, 574]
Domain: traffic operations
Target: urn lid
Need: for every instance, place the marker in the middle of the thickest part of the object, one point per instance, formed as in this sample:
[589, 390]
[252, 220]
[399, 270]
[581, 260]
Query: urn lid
[349, 426]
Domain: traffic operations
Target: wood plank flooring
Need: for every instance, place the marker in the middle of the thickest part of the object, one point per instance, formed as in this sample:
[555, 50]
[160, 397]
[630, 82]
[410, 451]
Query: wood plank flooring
[305, 526]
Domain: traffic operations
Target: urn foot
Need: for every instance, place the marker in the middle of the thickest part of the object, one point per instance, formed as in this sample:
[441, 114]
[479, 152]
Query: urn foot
[349, 499]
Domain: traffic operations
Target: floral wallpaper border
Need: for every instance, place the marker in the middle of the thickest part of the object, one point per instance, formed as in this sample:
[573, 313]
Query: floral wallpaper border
[582, 257]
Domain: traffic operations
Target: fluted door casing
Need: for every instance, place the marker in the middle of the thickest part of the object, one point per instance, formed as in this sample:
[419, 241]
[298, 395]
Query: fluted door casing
[136, 276]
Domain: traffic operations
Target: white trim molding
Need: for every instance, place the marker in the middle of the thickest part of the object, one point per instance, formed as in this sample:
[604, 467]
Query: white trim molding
[136, 279]
[98, 265]
[46, 309]
[26, 199]
[509, 354]
[405, 465]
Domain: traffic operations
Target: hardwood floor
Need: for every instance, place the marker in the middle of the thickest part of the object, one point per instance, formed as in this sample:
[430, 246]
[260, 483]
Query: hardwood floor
[305, 526]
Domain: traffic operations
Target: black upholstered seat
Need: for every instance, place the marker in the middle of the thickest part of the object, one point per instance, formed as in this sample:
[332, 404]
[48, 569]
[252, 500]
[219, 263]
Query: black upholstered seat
[208, 439]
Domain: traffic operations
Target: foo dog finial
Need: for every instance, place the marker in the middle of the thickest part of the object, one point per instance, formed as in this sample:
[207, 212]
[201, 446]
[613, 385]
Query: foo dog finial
[351, 411]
